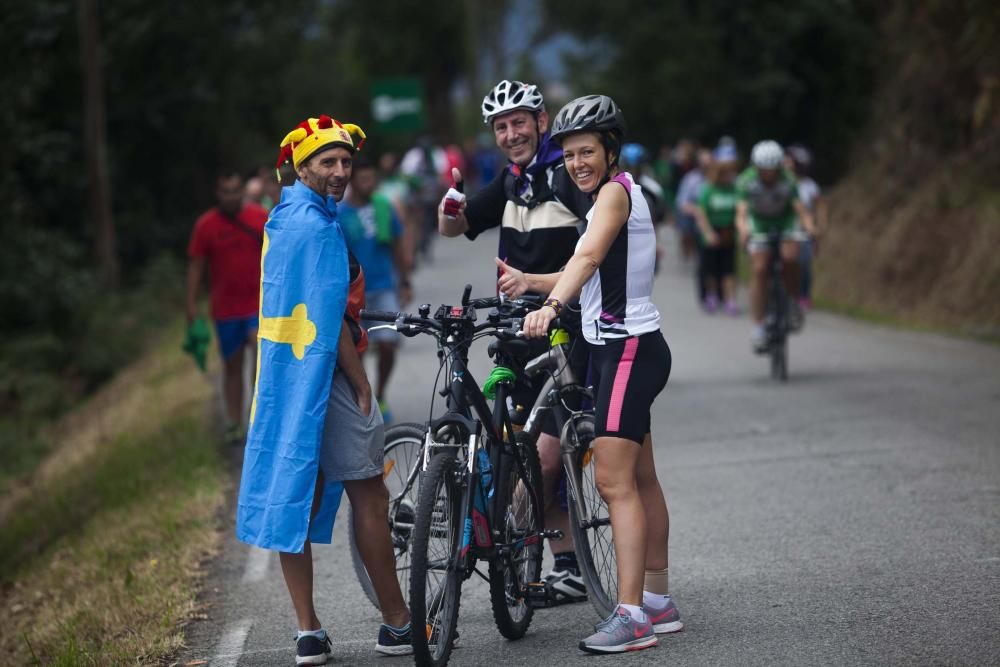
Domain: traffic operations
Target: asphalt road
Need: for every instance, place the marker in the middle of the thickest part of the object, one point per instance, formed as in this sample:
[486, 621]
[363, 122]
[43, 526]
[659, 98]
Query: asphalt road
[849, 517]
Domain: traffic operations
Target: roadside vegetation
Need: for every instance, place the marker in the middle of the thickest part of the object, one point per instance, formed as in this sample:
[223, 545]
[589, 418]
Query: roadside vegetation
[101, 542]
[915, 223]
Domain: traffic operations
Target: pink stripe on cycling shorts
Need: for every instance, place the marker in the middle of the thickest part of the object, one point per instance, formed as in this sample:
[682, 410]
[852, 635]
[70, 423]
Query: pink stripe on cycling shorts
[621, 382]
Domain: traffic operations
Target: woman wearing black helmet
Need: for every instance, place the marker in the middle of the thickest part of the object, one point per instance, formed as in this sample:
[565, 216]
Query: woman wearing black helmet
[612, 271]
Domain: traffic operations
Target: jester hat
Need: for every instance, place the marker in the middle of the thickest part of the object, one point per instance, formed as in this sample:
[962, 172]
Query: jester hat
[315, 134]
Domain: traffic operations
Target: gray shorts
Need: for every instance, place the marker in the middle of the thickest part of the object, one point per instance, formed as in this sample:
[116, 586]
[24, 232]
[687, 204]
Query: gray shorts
[758, 242]
[383, 299]
[352, 443]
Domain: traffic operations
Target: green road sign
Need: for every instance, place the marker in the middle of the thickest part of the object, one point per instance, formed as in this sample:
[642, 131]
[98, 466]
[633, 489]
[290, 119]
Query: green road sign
[398, 104]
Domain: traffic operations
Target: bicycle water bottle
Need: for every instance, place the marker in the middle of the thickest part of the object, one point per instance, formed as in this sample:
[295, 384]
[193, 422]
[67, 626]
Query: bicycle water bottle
[477, 524]
[485, 477]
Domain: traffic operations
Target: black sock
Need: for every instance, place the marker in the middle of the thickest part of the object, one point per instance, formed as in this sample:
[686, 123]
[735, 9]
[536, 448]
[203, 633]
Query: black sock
[567, 561]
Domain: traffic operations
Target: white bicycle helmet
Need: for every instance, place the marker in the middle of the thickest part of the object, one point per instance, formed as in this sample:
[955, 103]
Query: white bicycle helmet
[507, 96]
[767, 155]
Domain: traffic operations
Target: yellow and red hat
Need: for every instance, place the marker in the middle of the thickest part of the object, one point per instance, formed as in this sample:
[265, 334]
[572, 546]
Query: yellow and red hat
[314, 134]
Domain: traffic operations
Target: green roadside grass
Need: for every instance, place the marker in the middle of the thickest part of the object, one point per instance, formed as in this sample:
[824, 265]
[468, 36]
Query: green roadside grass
[101, 548]
[889, 320]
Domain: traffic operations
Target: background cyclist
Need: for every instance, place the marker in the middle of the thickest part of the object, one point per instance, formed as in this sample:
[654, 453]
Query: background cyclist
[769, 202]
[612, 271]
[539, 211]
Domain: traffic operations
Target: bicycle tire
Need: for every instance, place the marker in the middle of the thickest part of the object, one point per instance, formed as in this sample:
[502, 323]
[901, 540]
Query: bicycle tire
[779, 361]
[590, 522]
[397, 436]
[437, 519]
[518, 517]
[779, 342]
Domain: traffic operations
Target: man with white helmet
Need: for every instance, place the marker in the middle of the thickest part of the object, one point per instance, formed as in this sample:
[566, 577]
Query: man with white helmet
[540, 213]
[769, 202]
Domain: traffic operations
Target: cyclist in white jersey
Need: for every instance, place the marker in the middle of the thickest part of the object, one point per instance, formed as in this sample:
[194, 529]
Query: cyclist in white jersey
[612, 271]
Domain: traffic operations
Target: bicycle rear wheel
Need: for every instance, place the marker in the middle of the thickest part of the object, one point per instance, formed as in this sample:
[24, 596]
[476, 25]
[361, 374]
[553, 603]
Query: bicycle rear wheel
[435, 584]
[403, 445]
[518, 525]
[589, 519]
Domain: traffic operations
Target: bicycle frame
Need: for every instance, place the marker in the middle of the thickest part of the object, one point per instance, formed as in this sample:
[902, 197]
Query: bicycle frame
[560, 381]
[777, 306]
[465, 401]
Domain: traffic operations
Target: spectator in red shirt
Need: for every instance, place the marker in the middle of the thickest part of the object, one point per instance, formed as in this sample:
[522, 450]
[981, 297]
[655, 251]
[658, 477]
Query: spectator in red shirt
[227, 241]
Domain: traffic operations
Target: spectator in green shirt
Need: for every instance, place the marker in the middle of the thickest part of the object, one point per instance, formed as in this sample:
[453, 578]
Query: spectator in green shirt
[715, 214]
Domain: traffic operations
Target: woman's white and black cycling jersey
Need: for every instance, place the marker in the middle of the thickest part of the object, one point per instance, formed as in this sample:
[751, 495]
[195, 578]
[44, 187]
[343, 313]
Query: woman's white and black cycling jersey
[539, 211]
[617, 300]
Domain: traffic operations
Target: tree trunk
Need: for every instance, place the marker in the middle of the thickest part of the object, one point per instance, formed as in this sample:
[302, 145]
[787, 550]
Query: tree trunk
[95, 148]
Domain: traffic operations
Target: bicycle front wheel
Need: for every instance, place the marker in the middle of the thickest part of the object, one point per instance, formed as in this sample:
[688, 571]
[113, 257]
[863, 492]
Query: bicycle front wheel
[589, 519]
[403, 446]
[779, 338]
[435, 582]
[517, 528]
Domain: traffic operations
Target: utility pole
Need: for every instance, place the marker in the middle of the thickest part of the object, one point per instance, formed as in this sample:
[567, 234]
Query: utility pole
[95, 145]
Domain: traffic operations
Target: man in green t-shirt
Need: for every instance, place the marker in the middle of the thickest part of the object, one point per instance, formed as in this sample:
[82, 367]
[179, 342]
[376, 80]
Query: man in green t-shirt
[769, 202]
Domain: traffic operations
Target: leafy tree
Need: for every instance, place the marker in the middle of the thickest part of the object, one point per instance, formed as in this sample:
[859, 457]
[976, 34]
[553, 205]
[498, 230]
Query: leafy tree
[794, 72]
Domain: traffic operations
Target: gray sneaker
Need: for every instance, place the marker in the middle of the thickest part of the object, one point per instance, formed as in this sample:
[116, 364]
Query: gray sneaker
[664, 619]
[618, 633]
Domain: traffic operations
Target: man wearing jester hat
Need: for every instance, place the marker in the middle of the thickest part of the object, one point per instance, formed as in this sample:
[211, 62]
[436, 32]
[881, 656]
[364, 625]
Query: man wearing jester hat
[314, 429]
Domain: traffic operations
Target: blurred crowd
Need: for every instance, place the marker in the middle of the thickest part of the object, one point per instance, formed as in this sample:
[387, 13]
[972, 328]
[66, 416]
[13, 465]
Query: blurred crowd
[691, 188]
[390, 219]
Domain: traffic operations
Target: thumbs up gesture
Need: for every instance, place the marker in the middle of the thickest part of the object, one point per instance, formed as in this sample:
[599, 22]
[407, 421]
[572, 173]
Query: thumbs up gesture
[512, 282]
[454, 200]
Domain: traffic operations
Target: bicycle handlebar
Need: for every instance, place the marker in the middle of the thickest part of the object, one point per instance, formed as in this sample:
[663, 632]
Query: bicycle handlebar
[379, 315]
[496, 301]
[508, 328]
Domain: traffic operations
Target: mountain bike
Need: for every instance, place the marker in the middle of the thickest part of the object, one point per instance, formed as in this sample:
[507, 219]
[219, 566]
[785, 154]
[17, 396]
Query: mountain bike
[480, 488]
[564, 397]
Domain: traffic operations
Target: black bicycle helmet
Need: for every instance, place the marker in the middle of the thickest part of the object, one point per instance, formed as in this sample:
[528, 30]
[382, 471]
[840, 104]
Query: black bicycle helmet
[590, 113]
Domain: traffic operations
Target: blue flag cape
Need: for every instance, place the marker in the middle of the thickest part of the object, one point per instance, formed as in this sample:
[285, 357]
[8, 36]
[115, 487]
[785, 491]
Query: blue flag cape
[304, 285]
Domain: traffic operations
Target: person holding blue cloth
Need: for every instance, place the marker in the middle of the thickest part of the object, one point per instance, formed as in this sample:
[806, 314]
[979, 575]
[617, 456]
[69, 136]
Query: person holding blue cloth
[315, 430]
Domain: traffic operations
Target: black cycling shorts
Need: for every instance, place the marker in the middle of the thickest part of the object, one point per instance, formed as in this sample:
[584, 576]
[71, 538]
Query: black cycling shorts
[628, 376]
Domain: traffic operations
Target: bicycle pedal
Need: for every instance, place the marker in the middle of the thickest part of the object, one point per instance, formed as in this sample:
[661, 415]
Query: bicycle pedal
[537, 595]
[552, 534]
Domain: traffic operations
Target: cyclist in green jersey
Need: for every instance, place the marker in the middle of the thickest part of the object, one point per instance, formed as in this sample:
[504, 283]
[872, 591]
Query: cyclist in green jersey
[769, 202]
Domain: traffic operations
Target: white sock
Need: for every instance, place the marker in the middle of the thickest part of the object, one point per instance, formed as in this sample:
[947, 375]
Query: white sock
[635, 612]
[654, 599]
[318, 634]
